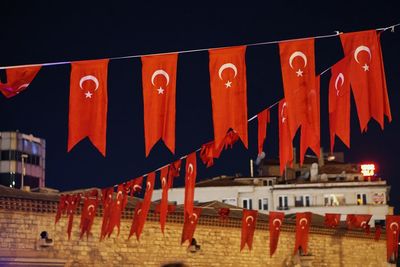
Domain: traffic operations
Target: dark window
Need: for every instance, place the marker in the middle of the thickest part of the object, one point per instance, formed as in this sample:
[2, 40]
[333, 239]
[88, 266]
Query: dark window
[298, 201]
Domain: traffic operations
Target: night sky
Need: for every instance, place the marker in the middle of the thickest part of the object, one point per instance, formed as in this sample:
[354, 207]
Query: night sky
[50, 32]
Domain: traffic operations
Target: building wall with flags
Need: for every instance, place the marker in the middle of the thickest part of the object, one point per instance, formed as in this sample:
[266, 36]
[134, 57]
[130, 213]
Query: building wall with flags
[24, 216]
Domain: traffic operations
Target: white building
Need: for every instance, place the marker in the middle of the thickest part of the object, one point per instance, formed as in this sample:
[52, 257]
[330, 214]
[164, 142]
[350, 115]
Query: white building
[336, 192]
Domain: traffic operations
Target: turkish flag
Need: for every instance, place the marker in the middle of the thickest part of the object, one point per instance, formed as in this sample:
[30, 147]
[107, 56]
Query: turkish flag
[61, 208]
[223, 213]
[117, 208]
[285, 141]
[263, 119]
[298, 75]
[275, 224]
[164, 197]
[249, 219]
[303, 222]
[145, 205]
[189, 225]
[332, 220]
[207, 153]
[174, 170]
[136, 220]
[18, 79]
[72, 203]
[229, 92]
[358, 221]
[190, 182]
[367, 76]
[88, 214]
[134, 186]
[310, 129]
[107, 202]
[339, 102]
[392, 236]
[159, 97]
[88, 103]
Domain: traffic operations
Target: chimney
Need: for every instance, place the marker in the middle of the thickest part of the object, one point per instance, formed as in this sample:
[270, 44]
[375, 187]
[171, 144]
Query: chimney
[251, 168]
[321, 161]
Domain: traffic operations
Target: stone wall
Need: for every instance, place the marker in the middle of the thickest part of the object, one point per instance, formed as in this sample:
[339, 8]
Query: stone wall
[220, 244]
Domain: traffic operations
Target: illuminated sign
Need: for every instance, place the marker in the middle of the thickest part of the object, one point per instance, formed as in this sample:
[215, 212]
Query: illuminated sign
[368, 169]
[378, 198]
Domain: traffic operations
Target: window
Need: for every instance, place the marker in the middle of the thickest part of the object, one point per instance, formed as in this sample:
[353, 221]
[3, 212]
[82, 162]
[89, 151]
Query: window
[298, 201]
[334, 200]
[247, 204]
[307, 201]
[270, 182]
[283, 202]
[361, 199]
[230, 201]
[263, 204]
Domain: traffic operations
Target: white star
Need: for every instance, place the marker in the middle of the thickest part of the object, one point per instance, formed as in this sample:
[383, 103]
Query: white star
[160, 91]
[365, 67]
[228, 84]
[299, 73]
[88, 94]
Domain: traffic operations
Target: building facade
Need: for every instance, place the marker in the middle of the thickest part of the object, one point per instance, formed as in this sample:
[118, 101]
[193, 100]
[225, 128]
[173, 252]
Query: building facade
[22, 156]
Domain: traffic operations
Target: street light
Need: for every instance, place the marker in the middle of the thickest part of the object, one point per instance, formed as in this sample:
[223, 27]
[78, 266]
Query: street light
[23, 157]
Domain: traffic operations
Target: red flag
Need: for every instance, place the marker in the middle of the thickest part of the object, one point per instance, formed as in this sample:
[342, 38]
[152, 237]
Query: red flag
[263, 119]
[207, 154]
[298, 75]
[134, 186]
[229, 92]
[106, 200]
[72, 204]
[223, 213]
[378, 232]
[275, 224]
[145, 206]
[62, 207]
[339, 102]
[18, 79]
[88, 103]
[285, 141]
[164, 197]
[190, 182]
[392, 236]
[332, 220]
[310, 129]
[303, 222]
[136, 220]
[117, 208]
[174, 170]
[249, 219]
[88, 214]
[358, 221]
[159, 96]
[189, 225]
[367, 76]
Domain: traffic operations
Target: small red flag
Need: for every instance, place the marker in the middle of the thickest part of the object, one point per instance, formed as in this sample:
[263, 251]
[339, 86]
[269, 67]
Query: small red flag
[298, 75]
[339, 102]
[118, 206]
[134, 186]
[106, 200]
[190, 182]
[164, 197]
[358, 221]
[61, 208]
[18, 79]
[223, 213]
[88, 214]
[145, 206]
[189, 225]
[263, 119]
[249, 219]
[285, 141]
[275, 224]
[229, 92]
[332, 220]
[207, 154]
[159, 97]
[367, 76]
[392, 236]
[303, 222]
[136, 220]
[88, 103]
[72, 203]
[174, 171]
[310, 129]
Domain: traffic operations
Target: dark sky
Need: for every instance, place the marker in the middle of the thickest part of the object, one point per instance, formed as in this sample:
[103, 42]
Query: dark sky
[38, 32]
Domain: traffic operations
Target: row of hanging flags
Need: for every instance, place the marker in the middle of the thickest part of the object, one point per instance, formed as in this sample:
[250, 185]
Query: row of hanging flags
[361, 68]
[114, 205]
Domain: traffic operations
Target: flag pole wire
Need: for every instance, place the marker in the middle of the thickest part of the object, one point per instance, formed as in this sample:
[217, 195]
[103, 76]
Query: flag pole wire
[392, 27]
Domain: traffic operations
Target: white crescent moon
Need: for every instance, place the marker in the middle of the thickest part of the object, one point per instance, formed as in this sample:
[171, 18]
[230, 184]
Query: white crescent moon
[359, 49]
[277, 220]
[297, 54]
[303, 220]
[249, 217]
[283, 107]
[136, 186]
[195, 218]
[148, 185]
[139, 211]
[341, 78]
[160, 72]
[119, 193]
[227, 66]
[87, 78]
[190, 170]
[90, 206]
[396, 224]
[163, 181]
[362, 223]
[23, 86]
